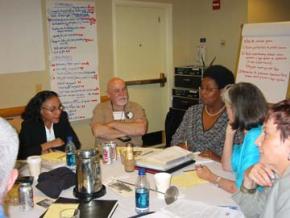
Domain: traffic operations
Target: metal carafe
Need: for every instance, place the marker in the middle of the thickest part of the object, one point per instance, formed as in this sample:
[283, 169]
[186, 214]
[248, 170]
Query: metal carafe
[88, 172]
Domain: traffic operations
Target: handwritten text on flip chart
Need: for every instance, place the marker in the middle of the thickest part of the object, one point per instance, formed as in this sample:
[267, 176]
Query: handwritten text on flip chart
[264, 61]
[73, 56]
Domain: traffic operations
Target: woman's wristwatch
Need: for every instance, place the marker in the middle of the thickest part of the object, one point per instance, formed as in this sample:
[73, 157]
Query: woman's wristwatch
[247, 190]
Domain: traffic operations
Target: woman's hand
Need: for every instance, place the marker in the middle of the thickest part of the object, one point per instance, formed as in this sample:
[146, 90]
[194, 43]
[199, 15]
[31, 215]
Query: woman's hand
[261, 174]
[56, 143]
[209, 154]
[228, 149]
[205, 173]
[52, 144]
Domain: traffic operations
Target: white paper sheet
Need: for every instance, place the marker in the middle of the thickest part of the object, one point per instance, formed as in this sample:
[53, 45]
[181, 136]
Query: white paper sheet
[187, 209]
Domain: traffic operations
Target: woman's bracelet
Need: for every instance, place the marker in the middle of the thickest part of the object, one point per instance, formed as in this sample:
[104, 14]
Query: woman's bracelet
[247, 190]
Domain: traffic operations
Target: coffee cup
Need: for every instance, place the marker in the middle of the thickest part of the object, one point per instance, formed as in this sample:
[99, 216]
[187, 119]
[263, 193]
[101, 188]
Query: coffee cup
[34, 164]
[162, 182]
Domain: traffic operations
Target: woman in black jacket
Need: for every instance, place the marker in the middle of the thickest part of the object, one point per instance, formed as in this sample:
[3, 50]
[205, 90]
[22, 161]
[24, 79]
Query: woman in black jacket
[45, 126]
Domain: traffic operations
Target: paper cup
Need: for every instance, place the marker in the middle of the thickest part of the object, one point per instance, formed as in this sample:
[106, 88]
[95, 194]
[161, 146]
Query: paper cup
[34, 164]
[162, 182]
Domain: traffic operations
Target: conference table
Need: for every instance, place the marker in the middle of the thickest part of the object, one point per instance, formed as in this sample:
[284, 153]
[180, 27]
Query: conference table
[206, 192]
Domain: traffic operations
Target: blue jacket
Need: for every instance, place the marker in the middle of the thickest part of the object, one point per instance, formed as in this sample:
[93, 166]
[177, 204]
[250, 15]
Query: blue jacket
[246, 154]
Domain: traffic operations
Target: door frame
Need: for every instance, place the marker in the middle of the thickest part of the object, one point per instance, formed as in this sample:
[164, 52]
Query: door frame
[169, 69]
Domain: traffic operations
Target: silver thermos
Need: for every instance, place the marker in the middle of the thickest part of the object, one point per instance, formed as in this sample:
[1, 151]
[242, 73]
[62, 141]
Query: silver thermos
[88, 173]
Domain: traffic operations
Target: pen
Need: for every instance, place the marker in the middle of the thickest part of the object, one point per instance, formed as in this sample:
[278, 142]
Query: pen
[230, 207]
[148, 152]
[128, 183]
[189, 170]
[197, 166]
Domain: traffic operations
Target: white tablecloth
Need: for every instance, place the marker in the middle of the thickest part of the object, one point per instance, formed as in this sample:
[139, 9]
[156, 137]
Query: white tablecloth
[207, 193]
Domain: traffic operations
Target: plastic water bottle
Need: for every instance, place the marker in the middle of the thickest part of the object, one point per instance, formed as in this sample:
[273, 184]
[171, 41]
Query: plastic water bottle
[70, 150]
[201, 53]
[142, 192]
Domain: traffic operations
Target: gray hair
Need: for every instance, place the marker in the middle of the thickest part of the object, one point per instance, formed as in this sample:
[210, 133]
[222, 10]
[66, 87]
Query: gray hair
[247, 103]
[225, 94]
[9, 145]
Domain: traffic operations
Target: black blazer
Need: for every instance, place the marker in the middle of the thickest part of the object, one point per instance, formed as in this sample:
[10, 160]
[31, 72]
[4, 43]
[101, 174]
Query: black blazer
[32, 135]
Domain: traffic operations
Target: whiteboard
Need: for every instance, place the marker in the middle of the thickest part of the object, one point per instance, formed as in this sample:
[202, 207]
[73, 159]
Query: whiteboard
[265, 58]
[21, 38]
[73, 58]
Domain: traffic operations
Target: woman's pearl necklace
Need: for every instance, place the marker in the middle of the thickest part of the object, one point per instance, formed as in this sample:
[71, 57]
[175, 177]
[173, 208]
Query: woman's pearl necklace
[212, 115]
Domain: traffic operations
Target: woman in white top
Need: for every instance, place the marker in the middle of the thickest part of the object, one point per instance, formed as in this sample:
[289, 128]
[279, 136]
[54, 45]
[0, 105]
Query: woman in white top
[45, 126]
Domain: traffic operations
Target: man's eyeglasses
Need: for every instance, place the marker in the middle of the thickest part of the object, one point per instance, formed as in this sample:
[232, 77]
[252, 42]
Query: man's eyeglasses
[53, 109]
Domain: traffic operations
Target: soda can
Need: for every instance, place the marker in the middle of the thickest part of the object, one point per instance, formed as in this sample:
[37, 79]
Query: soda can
[113, 146]
[26, 196]
[107, 159]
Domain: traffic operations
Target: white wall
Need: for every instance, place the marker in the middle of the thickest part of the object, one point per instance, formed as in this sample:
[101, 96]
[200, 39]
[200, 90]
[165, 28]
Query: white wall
[192, 19]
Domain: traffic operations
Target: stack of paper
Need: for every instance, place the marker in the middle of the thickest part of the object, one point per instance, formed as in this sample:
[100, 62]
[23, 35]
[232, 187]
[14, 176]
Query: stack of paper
[196, 209]
[186, 180]
[53, 160]
[165, 159]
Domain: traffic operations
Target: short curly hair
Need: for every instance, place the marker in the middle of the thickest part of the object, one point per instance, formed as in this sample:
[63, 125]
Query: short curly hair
[32, 109]
[280, 113]
[220, 74]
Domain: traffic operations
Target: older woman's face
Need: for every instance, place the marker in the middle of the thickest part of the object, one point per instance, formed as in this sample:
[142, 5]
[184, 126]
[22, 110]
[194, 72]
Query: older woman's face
[209, 91]
[51, 110]
[273, 150]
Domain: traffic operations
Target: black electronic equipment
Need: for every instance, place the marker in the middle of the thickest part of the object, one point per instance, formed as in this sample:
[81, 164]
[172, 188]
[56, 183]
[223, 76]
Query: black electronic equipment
[192, 82]
[187, 80]
[186, 93]
[189, 70]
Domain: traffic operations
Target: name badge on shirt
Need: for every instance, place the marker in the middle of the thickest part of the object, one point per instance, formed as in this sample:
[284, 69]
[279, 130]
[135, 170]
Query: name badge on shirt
[119, 115]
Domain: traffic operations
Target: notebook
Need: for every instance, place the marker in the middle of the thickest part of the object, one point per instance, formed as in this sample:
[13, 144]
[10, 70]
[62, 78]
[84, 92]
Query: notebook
[53, 160]
[168, 159]
[170, 170]
[93, 209]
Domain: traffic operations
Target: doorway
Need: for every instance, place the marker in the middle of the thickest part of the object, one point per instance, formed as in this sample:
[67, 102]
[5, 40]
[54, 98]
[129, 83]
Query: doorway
[142, 34]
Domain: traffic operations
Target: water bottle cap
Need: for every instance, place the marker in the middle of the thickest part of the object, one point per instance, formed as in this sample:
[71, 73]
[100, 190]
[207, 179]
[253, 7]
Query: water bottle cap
[69, 138]
[141, 172]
